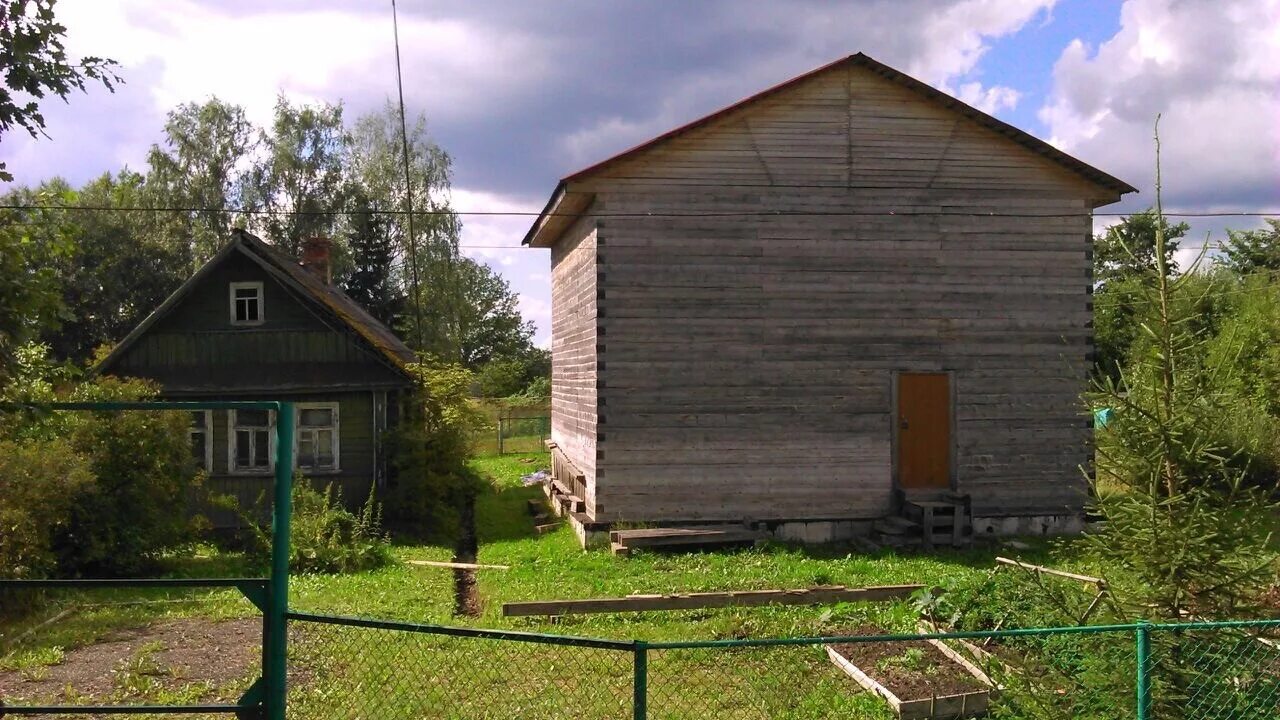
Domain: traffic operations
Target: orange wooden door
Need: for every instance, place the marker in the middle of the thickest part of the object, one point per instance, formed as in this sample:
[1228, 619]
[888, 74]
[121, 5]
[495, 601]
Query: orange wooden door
[924, 430]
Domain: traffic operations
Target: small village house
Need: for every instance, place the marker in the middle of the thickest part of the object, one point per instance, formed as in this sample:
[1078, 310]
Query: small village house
[844, 296]
[253, 324]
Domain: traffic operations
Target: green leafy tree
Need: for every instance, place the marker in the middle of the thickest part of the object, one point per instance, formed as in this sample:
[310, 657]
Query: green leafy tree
[115, 270]
[526, 375]
[1253, 251]
[430, 259]
[1128, 248]
[300, 177]
[488, 325]
[431, 449]
[1124, 260]
[133, 470]
[200, 171]
[35, 65]
[30, 298]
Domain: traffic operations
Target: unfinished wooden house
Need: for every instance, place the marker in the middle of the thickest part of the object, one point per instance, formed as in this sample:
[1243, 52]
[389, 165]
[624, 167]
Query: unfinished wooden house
[845, 298]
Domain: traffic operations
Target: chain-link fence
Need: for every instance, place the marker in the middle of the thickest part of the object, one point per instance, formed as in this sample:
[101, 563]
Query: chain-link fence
[352, 668]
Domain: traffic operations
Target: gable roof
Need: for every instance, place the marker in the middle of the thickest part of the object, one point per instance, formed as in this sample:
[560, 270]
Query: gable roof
[1033, 143]
[339, 308]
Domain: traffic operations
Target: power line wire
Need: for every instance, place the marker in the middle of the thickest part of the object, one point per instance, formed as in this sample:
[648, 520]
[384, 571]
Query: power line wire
[637, 214]
[408, 182]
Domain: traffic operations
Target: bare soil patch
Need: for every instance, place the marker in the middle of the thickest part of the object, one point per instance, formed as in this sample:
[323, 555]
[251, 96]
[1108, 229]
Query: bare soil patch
[910, 670]
[171, 655]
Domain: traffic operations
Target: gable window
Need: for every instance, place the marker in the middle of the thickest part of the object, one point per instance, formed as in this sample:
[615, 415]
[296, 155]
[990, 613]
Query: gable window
[246, 303]
[317, 448]
[200, 433]
[251, 441]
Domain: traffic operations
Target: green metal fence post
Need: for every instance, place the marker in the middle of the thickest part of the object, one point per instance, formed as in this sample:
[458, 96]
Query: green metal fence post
[277, 665]
[1143, 661]
[640, 683]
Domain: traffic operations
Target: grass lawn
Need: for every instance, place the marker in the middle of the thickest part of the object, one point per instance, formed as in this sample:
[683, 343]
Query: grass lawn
[347, 672]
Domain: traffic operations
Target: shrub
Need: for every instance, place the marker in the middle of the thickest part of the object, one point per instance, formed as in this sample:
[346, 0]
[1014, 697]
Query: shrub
[430, 450]
[39, 482]
[93, 493]
[137, 508]
[325, 537]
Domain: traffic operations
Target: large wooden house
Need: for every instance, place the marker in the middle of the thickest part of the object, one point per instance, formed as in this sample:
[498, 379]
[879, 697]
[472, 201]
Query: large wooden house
[845, 293]
[253, 324]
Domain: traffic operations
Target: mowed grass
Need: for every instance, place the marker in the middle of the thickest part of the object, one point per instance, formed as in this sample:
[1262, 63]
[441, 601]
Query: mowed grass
[356, 672]
[401, 674]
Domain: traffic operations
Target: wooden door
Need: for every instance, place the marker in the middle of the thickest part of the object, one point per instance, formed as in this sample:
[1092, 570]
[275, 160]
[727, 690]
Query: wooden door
[924, 431]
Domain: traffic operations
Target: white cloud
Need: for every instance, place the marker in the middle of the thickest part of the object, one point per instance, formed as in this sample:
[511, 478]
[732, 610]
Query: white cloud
[989, 100]
[452, 65]
[494, 239]
[1212, 70]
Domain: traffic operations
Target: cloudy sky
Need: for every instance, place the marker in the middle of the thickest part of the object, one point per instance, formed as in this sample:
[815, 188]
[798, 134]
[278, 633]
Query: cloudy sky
[522, 92]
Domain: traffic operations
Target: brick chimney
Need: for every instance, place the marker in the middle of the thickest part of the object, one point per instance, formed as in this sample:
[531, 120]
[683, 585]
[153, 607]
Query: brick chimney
[315, 258]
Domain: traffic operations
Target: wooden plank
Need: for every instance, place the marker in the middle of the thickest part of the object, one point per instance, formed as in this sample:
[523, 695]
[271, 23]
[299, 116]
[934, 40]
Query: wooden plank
[696, 601]
[655, 537]
[1051, 571]
[457, 565]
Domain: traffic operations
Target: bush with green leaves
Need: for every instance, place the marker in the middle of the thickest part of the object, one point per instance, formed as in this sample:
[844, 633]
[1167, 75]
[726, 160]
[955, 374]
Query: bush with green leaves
[326, 537]
[431, 479]
[97, 493]
[39, 483]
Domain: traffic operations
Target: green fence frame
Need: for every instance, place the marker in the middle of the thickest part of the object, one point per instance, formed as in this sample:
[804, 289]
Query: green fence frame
[1142, 634]
[266, 698]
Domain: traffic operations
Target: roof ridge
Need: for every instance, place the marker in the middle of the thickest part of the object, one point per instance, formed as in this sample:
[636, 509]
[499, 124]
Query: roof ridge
[859, 59]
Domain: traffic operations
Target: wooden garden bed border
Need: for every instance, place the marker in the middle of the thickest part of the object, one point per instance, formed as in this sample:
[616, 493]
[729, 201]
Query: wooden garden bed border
[945, 706]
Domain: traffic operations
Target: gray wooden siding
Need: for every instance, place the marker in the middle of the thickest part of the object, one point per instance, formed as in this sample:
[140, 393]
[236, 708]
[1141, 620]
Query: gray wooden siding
[750, 358]
[573, 350]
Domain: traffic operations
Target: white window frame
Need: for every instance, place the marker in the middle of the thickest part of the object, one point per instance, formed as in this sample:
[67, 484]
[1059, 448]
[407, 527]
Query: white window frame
[231, 446]
[262, 305]
[208, 438]
[337, 436]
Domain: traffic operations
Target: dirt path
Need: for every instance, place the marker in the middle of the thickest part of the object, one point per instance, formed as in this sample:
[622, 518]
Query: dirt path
[192, 658]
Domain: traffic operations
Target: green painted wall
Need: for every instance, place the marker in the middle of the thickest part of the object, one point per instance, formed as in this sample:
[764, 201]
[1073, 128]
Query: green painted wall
[196, 349]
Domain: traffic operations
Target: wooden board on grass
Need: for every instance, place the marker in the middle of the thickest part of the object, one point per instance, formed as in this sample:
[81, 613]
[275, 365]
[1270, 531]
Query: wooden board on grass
[698, 601]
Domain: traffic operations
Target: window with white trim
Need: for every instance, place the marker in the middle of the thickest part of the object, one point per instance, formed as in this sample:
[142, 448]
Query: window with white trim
[200, 432]
[251, 441]
[317, 433]
[246, 303]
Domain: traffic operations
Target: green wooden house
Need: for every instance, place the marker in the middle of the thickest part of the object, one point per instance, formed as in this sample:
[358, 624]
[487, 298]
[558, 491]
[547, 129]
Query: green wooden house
[253, 324]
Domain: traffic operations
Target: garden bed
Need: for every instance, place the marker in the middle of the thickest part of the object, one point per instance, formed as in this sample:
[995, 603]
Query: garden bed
[918, 678]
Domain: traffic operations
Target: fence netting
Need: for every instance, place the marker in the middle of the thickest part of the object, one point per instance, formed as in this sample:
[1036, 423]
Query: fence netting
[1192, 672]
[1215, 673]
[339, 671]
